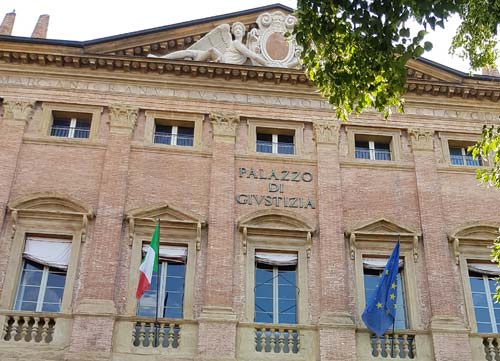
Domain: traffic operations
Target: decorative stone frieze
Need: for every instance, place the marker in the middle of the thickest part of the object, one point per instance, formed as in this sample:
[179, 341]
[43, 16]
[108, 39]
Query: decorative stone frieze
[421, 138]
[122, 119]
[326, 132]
[17, 109]
[224, 124]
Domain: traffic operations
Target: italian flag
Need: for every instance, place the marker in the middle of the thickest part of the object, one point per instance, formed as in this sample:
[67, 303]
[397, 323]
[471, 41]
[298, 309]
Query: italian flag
[149, 264]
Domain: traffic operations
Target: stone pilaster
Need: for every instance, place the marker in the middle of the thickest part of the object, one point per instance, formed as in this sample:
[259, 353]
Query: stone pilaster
[337, 331]
[447, 325]
[96, 304]
[218, 321]
[16, 114]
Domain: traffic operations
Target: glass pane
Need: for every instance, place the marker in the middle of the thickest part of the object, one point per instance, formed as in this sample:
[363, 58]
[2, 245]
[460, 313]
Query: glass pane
[288, 292]
[32, 266]
[265, 137]
[287, 277]
[482, 314]
[174, 299]
[51, 307]
[263, 317]
[27, 306]
[286, 306]
[176, 269]
[476, 284]
[484, 328]
[382, 146]
[362, 150]
[264, 147]
[173, 312]
[288, 318]
[56, 279]
[479, 299]
[456, 156]
[60, 122]
[264, 305]
[31, 278]
[53, 295]
[263, 275]
[29, 293]
[185, 131]
[175, 284]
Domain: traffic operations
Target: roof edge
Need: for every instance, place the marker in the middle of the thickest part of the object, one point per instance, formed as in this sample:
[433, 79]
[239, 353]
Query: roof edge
[458, 72]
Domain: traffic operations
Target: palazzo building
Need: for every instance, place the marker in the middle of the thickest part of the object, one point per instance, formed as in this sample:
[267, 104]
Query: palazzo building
[276, 220]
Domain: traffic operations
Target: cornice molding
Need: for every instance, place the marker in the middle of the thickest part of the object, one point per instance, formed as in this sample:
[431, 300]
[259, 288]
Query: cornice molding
[417, 82]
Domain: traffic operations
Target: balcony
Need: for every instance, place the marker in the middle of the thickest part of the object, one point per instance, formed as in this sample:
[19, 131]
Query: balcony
[276, 342]
[173, 139]
[465, 160]
[372, 154]
[135, 335]
[403, 345]
[67, 132]
[275, 147]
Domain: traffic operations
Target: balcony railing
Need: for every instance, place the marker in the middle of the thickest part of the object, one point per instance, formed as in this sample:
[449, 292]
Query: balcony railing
[173, 139]
[162, 334]
[395, 346]
[29, 328]
[373, 154]
[67, 132]
[277, 340]
[277, 148]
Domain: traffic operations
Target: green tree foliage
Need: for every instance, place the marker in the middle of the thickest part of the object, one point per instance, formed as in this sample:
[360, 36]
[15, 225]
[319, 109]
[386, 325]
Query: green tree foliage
[356, 51]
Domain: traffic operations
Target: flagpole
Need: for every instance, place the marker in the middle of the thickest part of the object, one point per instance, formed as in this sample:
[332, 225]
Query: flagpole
[394, 323]
[157, 289]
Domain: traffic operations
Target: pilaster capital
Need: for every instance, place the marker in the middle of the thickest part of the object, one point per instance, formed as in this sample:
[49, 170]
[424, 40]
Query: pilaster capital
[421, 138]
[326, 132]
[17, 109]
[122, 119]
[224, 124]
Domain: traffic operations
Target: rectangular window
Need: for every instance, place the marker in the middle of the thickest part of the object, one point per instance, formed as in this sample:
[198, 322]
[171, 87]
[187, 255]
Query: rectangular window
[275, 143]
[173, 135]
[372, 269]
[372, 149]
[70, 125]
[487, 312]
[460, 156]
[276, 288]
[43, 276]
[170, 281]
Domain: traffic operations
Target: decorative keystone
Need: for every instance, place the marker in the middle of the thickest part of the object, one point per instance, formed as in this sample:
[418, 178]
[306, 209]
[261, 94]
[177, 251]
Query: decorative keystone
[16, 109]
[421, 139]
[224, 124]
[326, 132]
[122, 119]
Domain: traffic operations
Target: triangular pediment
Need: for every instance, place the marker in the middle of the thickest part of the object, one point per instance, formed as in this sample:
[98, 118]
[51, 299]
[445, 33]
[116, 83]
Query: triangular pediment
[165, 212]
[382, 226]
[427, 70]
[169, 38]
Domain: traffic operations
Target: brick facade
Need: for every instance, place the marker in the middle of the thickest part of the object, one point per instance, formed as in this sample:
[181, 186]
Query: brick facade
[102, 193]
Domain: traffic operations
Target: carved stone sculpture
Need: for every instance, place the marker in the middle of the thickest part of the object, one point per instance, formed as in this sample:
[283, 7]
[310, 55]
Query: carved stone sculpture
[264, 46]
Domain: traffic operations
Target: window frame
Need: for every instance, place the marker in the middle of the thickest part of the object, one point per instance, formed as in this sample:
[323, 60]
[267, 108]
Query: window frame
[376, 239]
[283, 233]
[373, 134]
[275, 143]
[59, 218]
[458, 140]
[48, 110]
[177, 228]
[177, 119]
[278, 127]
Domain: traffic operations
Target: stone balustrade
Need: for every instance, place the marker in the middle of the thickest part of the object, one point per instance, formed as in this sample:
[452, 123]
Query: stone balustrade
[491, 345]
[29, 328]
[276, 341]
[156, 334]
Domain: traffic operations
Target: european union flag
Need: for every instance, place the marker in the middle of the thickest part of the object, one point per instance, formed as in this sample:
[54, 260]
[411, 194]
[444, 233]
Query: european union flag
[380, 312]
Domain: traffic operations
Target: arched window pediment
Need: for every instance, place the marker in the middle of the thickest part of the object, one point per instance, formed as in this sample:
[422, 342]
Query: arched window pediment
[473, 239]
[377, 233]
[275, 226]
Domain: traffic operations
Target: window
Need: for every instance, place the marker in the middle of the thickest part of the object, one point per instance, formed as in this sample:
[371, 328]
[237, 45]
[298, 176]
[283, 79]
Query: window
[70, 125]
[460, 156]
[372, 269]
[171, 273]
[41, 286]
[174, 135]
[275, 288]
[482, 278]
[274, 143]
[372, 148]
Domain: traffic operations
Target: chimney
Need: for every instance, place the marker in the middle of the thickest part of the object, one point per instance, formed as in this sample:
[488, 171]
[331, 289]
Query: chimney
[8, 23]
[41, 27]
[491, 71]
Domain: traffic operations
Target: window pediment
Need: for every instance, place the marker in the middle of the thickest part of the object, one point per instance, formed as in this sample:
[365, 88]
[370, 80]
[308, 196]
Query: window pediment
[376, 234]
[275, 227]
[178, 223]
[474, 240]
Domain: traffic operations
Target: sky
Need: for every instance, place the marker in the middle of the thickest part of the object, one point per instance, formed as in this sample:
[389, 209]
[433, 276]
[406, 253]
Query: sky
[91, 19]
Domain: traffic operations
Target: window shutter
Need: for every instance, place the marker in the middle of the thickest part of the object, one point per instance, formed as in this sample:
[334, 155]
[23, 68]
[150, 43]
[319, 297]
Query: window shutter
[378, 264]
[276, 259]
[48, 252]
[490, 269]
[171, 253]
